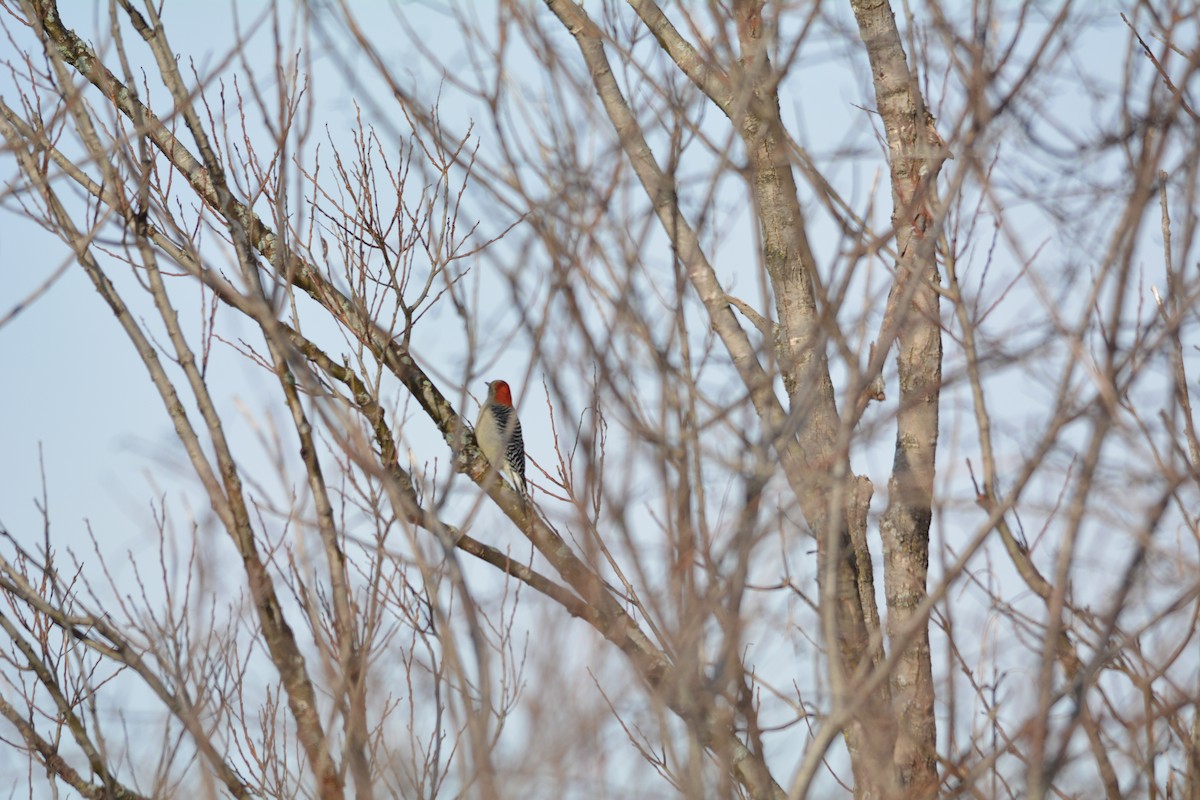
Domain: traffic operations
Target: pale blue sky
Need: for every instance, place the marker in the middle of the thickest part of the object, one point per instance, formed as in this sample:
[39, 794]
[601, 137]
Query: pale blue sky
[75, 388]
[78, 389]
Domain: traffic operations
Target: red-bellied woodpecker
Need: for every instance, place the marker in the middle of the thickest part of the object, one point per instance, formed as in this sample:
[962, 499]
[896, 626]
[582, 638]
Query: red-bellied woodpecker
[498, 432]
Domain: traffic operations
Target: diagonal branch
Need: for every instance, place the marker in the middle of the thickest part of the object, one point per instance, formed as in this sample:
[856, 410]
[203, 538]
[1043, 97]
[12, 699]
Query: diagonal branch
[707, 77]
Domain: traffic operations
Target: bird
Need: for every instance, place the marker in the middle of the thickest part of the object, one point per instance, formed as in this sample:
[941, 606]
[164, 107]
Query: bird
[498, 432]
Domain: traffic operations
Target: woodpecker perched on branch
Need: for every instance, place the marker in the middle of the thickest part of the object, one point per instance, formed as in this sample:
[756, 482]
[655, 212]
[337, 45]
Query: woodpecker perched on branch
[498, 432]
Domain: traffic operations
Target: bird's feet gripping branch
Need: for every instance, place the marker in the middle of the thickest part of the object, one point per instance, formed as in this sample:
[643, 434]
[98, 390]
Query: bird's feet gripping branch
[498, 432]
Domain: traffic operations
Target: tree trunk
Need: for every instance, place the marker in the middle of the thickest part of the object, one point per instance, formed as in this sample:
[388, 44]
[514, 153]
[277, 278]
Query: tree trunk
[916, 155]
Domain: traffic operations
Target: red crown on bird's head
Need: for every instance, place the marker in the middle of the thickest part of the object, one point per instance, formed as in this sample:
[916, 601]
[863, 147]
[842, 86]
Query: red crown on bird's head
[500, 393]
